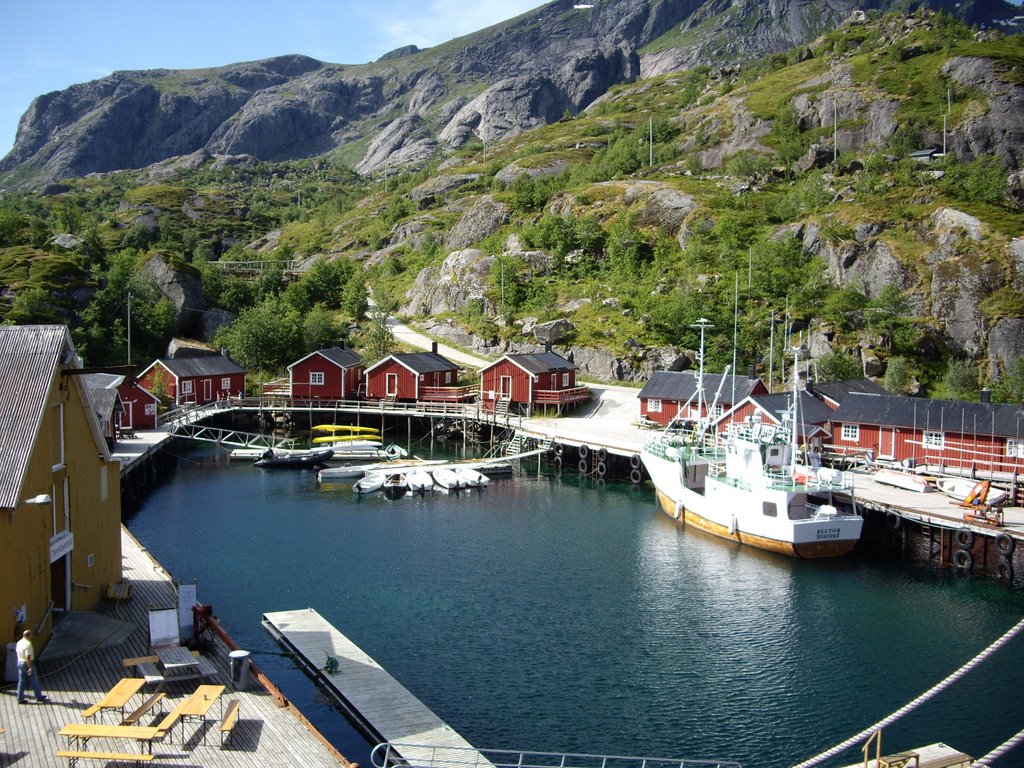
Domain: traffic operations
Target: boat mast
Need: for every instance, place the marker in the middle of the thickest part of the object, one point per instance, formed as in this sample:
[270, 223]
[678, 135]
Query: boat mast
[793, 410]
[702, 323]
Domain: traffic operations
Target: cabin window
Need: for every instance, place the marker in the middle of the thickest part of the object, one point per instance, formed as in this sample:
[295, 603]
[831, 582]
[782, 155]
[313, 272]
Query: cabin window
[654, 406]
[565, 379]
[225, 383]
[933, 440]
[186, 387]
[851, 432]
[1015, 448]
[447, 377]
[316, 378]
[770, 510]
[717, 411]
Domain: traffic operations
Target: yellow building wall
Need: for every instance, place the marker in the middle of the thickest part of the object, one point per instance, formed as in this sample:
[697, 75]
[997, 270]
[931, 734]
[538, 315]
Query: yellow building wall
[86, 499]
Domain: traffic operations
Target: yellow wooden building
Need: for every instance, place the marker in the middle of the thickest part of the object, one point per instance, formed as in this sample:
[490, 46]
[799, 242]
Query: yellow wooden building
[60, 500]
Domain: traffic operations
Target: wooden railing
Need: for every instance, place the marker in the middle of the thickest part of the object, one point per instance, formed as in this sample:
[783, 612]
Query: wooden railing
[449, 394]
[561, 396]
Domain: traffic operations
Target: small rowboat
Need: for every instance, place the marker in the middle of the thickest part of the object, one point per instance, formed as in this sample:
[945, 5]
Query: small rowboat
[471, 477]
[369, 483]
[903, 480]
[395, 485]
[420, 480]
[961, 488]
[448, 479]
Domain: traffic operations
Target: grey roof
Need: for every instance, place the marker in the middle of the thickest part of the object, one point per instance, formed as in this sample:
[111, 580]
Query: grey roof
[103, 395]
[680, 385]
[836, 391]
[425, 362]
[931, 415]
[29, 357]
[542, 362]
[812, 413]
[200, 365]
[343, 358]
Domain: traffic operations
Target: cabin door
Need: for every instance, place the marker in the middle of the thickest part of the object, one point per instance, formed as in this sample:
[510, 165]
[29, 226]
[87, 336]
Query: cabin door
[207, 390]
[888, 443]
[391, 385]
[504, 387]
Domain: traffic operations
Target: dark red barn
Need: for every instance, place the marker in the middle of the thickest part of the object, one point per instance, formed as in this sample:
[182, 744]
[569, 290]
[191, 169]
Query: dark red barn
[519, 383]
[335, 374]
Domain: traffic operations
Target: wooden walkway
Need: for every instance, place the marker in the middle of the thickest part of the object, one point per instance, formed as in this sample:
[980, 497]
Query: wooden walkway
[382, 707]
[267, 733]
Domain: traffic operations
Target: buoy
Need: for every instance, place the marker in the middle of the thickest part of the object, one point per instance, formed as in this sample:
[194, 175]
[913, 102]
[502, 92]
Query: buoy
[732, 525]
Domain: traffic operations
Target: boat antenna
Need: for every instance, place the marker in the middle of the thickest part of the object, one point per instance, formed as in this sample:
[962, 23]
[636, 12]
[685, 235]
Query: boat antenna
[794, 409]
[703, 323]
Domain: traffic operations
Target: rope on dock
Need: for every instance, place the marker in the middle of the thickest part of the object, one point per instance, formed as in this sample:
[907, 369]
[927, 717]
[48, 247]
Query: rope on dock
[999, 751]
[930, 693]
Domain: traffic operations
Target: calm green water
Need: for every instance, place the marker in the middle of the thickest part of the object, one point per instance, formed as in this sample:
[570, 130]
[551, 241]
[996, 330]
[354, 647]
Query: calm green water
[550, 614]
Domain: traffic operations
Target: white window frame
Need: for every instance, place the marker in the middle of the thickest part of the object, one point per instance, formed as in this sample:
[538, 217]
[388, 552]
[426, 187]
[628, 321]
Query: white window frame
[225, 383]
[850, 433]
[717, 411]
[447, 377]
[654, 405]
[316, 378]
[186, 387]
[933, 440]
[1015, 448]
[565, 379]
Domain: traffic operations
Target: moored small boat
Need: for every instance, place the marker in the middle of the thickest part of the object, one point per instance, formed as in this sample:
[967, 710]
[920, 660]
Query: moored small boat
[395, 485]
[369, 483]
[448, 479]
[471, 477]
[904, 480]
[420, 480]
[962, 488]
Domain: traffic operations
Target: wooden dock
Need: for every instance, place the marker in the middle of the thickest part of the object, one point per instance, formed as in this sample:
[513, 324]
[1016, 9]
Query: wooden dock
[377, 703]
[83, 660]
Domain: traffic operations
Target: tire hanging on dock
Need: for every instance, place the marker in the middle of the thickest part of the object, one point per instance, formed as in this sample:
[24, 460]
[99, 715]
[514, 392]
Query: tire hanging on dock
[963, 560]
[584, 451]
[1004, 571]
[964, 538]
[895, 521]
[583, 466]
[558, 462]
[601, 454]
[602, 469]
[636, 476]
[634, 461]
[1005, 544]
[559, 449]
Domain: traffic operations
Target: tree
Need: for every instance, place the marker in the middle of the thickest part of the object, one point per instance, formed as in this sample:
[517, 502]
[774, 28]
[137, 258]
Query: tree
[1010, 386]
[900, 377]
[835, 366]
[320, 330]
[887, 312]
[961, 380]
[265, 337]
[377, 339]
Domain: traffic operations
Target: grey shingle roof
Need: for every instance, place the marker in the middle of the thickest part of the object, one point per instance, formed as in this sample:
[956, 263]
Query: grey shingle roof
[29, 357]
[200, 365]
[425, 362]
[343, 358]
[812, 413]
[836, 391]
[541, 362]
[679, 385]
[931, 415]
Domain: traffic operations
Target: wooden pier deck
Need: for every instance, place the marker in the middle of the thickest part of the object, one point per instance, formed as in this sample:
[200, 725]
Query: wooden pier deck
[84, 660]
[381, 706]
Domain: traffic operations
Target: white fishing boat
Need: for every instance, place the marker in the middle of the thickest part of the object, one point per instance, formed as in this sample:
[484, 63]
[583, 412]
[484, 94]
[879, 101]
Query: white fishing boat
[471, 477]
[448, 479]
[420, 480]
[904, 480]
[369, 483]
[745, 486]
[980, 492]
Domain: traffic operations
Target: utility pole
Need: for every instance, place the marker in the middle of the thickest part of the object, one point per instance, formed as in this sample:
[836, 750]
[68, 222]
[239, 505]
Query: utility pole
[650, 141]
[771, 354]
[129, 328]
[835, 133]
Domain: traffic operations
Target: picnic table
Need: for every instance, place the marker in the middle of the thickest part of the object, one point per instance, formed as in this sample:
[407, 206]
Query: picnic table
[178, 663]
[117, 697]
[81, 733]
[198, 705]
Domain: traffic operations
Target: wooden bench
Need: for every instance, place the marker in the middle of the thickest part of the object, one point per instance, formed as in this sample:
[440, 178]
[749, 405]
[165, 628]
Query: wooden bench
[147, 705]
[230, 719]
[206, 667]
[91, 710]
[121, 590]
[121, 757]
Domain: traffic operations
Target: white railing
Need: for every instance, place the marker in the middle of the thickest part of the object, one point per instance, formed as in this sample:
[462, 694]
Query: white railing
[431, 756]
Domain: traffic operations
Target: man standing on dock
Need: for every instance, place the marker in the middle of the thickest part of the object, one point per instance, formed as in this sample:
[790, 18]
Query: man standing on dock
[27, 668]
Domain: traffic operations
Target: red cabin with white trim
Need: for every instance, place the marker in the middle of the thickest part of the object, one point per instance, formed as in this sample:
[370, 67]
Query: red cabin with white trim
[335, 373]
[413, 376]
[522, 382]
[196, 379]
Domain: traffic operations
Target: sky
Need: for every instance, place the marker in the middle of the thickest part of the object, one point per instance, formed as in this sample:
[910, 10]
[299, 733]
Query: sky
[49, 45]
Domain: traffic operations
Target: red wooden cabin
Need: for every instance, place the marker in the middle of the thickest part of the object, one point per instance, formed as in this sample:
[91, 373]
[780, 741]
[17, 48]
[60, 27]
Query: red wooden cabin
[670, 393]
[812, 419]
[415, 377]
[335, 374]
[140, 406]
[519, 383]
[196, 379]
[949, 435]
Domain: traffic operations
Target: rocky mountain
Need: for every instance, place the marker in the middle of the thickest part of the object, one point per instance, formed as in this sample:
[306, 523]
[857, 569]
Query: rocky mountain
[412, 105]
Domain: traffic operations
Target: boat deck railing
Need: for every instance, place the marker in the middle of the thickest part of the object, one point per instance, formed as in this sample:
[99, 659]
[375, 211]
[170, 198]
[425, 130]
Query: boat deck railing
[415, 756]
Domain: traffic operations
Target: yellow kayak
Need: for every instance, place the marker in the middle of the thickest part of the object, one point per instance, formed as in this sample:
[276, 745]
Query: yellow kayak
[344, 428]
[343, 438]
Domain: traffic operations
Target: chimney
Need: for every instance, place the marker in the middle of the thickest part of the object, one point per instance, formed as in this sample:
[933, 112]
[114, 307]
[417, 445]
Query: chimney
[547, 345]
[751, 371]
[433, 347]
[986, 395]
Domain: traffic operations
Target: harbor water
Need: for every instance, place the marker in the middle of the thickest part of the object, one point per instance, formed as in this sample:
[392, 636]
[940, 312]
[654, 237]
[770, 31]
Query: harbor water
[551, 613]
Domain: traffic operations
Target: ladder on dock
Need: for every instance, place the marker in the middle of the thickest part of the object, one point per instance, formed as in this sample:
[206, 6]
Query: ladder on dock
[388, 755]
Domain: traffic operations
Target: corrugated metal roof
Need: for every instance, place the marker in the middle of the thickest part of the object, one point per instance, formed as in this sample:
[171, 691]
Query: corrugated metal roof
[542, 362]
[200, 365]
[29, 357]
[931, 415]
[680, 385]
